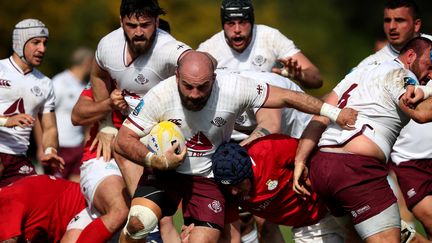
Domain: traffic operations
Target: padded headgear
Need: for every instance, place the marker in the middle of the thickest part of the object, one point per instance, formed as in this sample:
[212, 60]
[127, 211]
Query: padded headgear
[231, 164]
[237, 9]
[24, 31]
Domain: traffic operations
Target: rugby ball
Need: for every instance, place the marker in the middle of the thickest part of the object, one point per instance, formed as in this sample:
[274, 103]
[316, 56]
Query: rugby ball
[163, 135]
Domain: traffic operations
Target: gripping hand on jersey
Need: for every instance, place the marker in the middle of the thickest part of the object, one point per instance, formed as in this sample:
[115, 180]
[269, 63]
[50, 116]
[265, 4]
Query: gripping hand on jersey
[347, 118]
[118, 101]
[170, 160]
[301, 181]
[20, 120]
[51, 159]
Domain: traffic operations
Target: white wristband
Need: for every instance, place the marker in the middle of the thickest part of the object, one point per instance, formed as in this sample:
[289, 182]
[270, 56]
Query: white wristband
[330, 111]
[148, 158]
[3, 121]
[427, 90]
[50, 150]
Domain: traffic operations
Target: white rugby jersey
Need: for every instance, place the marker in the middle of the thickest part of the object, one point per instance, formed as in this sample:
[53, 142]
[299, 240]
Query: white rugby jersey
[374, 91]
[267, 45]
[293, 122]
[413, 142]
[30, 93]
[206, 129]
[387, 53]
[67, 89]
[147, 70]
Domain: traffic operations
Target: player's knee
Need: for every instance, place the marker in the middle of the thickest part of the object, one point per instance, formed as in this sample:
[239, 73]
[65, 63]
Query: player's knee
[141, 222]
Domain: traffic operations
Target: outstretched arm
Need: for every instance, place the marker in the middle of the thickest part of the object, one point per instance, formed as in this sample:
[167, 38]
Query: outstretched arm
[279, 98]
[301, 69]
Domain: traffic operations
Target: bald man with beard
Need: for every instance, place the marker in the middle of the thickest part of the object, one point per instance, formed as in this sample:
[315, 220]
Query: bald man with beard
[205, 107]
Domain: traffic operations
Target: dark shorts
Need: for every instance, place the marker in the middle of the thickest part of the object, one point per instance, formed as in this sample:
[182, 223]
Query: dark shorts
[351, 184]
[202, 200]
[72, 157]
[415, 180]
[15, 168]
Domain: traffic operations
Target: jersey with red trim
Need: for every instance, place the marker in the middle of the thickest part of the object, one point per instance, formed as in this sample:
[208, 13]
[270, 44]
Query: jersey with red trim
[206, 129]
[29, 93]
[267, 45]
[147, 70]
[374, 91]
[272, 196]
[38, 208]
[117, 121]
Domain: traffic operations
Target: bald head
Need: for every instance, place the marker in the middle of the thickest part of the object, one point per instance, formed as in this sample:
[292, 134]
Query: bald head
[195, 78]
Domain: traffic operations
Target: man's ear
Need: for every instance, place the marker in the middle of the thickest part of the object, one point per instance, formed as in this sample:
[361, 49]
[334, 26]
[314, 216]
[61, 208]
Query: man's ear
[411, 56]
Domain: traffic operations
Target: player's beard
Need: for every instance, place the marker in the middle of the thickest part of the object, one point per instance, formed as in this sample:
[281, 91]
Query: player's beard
[141, 48]
[415, 68]
[193, 104]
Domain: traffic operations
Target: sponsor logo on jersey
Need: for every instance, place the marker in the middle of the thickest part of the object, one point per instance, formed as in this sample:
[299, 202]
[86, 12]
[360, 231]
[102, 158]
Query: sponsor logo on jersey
[359, 211]
[181, 46]
[218, 121]
[138, 108]
[4, 83]
[25, 169]
[36, 90]
[411, 193]
[258, 60]
[178, 122]
[141, 79]
[215, 206]
[271, 184]
[264, 204]
[199, 144]
[409, 81]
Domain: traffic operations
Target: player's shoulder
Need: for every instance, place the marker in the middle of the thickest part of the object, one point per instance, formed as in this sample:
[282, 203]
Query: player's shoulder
[265, 30]
[209, 44]
[111, 40]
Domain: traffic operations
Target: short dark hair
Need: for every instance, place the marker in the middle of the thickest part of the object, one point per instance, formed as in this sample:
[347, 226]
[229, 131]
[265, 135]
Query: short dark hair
[418, 44]
[139, 8]
[393, 4]
[164, 25]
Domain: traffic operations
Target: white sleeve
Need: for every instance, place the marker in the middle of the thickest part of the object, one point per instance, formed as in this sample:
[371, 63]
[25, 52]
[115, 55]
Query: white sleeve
[253, 92]
[49, 105]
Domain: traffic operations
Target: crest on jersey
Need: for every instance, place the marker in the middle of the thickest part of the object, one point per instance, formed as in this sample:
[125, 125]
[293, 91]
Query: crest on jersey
[215, 206]
[36, 91]
[272, 184]
[258, 60]
[141, 79]
[138, 107]
[241, 119]
[409, 81]
[218, 122]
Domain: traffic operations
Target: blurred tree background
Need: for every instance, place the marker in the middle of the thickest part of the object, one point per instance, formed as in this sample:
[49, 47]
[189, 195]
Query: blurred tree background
[334, 34]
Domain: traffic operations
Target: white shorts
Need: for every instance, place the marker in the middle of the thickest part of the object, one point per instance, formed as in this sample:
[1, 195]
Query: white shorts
[80, 221]
[326, 230]
[93, 172]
